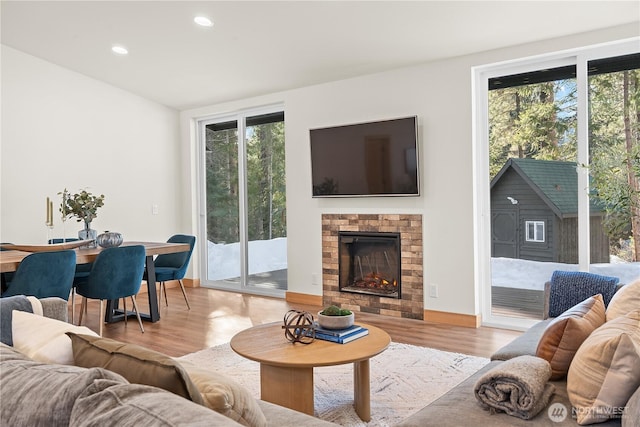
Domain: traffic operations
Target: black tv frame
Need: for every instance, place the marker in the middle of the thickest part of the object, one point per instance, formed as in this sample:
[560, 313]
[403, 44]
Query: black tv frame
[411, 160]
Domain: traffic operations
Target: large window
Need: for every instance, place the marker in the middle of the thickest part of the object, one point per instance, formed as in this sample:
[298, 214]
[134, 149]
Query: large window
[557, 141]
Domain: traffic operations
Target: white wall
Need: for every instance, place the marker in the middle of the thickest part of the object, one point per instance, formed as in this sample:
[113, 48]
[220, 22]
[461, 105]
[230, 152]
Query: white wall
[63, 129]
[440, 95]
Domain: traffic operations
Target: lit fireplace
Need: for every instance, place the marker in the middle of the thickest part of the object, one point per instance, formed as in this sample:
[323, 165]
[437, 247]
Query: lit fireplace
[369, 263]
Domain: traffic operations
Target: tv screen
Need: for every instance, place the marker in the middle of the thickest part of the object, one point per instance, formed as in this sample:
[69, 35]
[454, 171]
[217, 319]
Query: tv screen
[366, 159]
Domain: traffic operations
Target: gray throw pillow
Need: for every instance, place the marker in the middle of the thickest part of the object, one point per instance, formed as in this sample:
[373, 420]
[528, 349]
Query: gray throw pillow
[111, 403]
[38, 394]
[7, 305]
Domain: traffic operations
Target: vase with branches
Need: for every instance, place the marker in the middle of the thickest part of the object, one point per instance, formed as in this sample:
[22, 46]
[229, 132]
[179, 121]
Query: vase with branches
[84, 207]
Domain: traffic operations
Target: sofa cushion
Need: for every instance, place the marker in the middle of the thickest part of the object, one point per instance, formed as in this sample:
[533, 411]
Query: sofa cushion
[115, 404]
[44, 339]
[564, 334]
[55, 308]
[605, 371]
[525, 345]
[631, 415]
[39, 394]
[458, 407]
[226, 396]
[625, 300]
[10, 353]
[137, 364]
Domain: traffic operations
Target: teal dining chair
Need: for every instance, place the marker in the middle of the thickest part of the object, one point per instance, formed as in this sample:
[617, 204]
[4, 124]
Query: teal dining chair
[44, 274]
[116, 273]
[174, 266]
[81, 274]
[6, 277]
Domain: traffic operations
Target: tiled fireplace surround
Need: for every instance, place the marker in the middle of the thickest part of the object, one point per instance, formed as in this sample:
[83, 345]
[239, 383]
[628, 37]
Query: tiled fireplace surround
[411, 303]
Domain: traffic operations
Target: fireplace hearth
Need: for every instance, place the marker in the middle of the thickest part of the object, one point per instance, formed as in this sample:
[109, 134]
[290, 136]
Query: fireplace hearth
[409, 302]
[369, 263]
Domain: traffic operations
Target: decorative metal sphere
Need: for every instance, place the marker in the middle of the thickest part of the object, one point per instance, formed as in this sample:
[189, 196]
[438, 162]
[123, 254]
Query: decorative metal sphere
[299, 327]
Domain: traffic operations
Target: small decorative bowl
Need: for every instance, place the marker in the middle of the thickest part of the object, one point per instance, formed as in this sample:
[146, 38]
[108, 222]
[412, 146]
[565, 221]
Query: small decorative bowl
[109, 239]
[336, 322]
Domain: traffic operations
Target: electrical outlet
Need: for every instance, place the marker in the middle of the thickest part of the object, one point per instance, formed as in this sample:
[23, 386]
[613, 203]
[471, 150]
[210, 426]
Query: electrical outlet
[154, 209]
[433, 291]
[316, 279]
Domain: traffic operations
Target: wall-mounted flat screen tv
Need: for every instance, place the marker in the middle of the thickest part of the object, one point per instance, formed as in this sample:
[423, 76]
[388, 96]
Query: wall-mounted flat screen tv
[367, 159]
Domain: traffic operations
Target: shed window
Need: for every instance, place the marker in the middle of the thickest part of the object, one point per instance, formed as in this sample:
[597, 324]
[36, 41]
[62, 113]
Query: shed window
[535, 231]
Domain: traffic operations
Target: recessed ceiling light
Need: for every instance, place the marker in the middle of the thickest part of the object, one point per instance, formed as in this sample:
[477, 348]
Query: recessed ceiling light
[203, 20]
[120, 50]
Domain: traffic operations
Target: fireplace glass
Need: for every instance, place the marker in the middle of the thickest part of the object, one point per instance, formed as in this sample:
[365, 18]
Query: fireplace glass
[369, 263]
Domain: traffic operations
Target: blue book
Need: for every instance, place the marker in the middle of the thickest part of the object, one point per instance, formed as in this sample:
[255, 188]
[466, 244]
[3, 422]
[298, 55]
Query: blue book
[337, 332]
[345, 338]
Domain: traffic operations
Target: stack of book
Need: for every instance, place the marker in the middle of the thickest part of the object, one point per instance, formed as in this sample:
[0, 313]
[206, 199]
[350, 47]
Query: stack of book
[341, 336]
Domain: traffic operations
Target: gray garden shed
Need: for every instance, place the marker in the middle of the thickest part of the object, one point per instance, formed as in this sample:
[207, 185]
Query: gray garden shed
[534, 210]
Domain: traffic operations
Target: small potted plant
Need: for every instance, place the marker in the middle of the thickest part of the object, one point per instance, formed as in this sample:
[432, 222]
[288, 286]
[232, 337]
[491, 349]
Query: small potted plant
[84, 206]
[333, 317]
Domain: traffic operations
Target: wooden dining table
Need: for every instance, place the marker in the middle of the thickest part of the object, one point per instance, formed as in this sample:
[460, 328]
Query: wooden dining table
[10, 260]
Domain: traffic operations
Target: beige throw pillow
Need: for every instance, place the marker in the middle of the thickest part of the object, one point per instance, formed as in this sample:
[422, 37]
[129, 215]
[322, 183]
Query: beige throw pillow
[625, 300]
[137, 364]
[226, 396]
[564, 334]
[44, 339]
[605, 371]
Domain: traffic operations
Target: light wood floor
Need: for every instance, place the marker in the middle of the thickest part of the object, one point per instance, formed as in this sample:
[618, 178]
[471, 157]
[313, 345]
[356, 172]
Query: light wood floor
[216, 316]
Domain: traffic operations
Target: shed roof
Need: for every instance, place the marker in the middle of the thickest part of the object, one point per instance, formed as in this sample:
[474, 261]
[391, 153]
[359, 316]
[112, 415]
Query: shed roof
[554, 181]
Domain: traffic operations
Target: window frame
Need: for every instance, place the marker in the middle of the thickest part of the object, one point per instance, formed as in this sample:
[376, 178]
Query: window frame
[535, 238]
[480, 75]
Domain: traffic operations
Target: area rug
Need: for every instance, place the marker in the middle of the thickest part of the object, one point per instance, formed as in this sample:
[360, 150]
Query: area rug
[404, 378]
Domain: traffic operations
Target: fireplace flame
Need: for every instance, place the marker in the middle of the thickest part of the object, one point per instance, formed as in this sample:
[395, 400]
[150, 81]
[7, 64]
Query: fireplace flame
[374, 280]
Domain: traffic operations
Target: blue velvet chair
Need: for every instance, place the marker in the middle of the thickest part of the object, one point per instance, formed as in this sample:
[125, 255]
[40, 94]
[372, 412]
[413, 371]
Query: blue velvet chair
[116, 273]
[5, 278]
[81, 274]
[44, 274]
[568, 288]
[174, 266]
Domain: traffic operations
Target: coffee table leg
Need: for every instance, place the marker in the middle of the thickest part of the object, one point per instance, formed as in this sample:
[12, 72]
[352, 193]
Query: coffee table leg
[362, 389]
[288, 387]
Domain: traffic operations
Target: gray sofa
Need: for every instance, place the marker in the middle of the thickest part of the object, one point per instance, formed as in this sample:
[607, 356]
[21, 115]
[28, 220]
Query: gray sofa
[35, 393]
[459, 406]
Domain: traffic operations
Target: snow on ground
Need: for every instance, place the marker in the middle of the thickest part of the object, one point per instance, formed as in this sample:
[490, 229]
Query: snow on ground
[271, 255]
[264, 255]
[524, 274]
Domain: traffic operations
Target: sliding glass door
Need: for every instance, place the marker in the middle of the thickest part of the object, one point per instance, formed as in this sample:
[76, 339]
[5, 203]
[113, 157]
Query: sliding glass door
[558, 152]
[533, 185]
[245, 205]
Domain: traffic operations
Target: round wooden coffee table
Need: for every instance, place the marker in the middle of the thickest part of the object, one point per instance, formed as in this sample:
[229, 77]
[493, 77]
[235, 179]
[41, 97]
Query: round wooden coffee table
[286, 369]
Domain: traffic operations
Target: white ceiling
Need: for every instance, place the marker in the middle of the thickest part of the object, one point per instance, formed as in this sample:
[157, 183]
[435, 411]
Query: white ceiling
[259, 47]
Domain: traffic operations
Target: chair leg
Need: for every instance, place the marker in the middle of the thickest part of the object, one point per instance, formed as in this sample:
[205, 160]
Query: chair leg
[82, 308]
[163, 288]
[101, 315]
[73, 305]
[184, 294]
[159, 293]
[124, 308]
[135, 307]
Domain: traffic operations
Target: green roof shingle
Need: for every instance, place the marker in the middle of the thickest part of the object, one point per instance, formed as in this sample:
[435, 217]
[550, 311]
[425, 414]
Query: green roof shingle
[553, 180]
